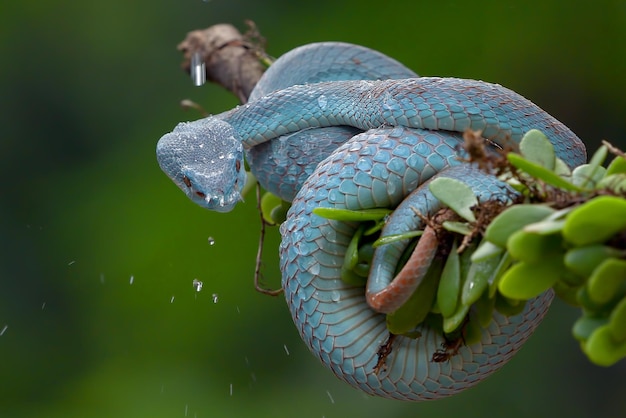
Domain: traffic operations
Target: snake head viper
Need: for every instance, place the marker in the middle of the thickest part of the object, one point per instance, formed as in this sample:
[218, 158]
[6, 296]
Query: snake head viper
[205, 159]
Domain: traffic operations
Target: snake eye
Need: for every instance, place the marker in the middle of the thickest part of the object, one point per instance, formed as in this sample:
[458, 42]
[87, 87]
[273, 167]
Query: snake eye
[186, 181]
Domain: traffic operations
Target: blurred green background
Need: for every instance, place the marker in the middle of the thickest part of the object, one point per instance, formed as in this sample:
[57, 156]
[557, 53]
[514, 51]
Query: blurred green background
[98, 315]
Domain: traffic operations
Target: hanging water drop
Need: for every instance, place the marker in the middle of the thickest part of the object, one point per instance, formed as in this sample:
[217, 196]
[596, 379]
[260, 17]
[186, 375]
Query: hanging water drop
[330, 397]
[197, 69]
[197, 284]
[211, 241]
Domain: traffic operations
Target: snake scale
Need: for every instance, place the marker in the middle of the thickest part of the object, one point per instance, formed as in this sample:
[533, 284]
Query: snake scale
[342, 126]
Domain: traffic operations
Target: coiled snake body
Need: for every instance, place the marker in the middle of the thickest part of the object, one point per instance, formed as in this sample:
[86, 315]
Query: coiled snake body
[377, 143]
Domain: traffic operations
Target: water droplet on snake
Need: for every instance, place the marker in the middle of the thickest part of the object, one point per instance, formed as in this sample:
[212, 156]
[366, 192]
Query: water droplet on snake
[314, 269]
[322, 102]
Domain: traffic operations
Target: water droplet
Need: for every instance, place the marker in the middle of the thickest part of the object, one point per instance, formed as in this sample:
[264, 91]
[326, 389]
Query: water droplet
[211, 241]
[286, 349]
[71, 262]
[172, 299]
[335, 296]
[197, 69]
[214, 296]
[132, 279]
[322, 102]
[43, 306]
[314, 269]
[231, 389]
[2, 331]
[197, 284]
[330, 397]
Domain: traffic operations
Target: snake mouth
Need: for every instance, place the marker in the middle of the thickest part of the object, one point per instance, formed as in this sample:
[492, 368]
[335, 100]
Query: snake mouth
[219, 201]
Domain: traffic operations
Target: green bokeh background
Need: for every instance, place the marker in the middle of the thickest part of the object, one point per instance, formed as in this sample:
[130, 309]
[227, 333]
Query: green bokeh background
[87, 88]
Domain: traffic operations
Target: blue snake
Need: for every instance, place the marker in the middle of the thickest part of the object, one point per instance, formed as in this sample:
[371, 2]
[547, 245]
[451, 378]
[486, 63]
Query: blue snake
[342, 126]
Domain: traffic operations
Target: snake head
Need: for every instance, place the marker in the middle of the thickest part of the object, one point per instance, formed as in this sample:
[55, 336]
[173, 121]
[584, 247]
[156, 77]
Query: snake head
[205, 160]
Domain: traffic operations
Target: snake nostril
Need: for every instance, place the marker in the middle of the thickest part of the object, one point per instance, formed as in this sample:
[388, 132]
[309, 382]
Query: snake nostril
[200, 194]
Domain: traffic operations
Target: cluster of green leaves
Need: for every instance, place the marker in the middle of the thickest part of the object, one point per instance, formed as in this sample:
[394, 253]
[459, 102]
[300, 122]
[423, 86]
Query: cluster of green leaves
[570, 235]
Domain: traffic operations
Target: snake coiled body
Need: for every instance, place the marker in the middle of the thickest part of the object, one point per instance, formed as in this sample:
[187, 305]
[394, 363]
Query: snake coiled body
[400, 133]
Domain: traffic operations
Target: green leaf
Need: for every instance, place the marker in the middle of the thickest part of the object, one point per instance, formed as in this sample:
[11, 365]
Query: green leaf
[541, 173]
[595, 221]
[505, 262]
[533, 248]
[513, 219]
[269, 203]
[388, 239]
[352, 252]
[483, 309]
[536, 148]
[587, 176]
[602, 349]
[586, 325]
[459, 227]
[456, 195]
[278, 215]
[450, 283]
[453, 322]
[583, 260]
[478, 278]
[561, 169]
[485, 250]
[525, 281]
[617, 321]
[347, 215]
[249, 185]
[614, 182]
[545, 227]
[617, 166]
[606, 281]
